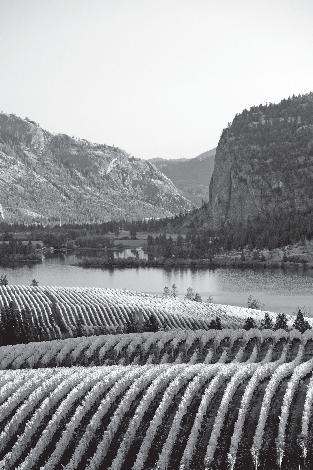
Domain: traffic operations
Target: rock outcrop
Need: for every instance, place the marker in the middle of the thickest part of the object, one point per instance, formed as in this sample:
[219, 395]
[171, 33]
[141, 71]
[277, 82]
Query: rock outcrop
[48, 177]
[264, 162]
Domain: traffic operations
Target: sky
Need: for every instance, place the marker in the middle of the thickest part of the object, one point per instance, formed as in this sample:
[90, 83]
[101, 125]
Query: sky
[157, 78]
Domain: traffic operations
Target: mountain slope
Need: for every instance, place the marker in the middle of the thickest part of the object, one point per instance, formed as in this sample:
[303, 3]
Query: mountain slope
[45, 176]
[190, 176]
[264, 162]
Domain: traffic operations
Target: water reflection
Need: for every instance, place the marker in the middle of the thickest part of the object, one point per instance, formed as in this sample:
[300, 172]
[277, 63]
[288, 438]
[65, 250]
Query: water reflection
[279, 290]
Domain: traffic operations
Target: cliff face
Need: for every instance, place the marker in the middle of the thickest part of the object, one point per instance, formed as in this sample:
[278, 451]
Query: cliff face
[264, 162]
[47, 177]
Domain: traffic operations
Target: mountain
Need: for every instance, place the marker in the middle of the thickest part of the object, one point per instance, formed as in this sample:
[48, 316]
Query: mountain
[264, 162]
[190, 175]
[47, 177]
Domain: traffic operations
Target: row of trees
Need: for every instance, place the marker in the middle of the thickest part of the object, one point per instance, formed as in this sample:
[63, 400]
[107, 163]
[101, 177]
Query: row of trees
[18, 326]
[190, 294]
[300, 323]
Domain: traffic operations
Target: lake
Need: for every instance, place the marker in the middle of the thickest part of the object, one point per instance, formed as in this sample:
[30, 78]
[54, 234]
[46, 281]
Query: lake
[280, 291]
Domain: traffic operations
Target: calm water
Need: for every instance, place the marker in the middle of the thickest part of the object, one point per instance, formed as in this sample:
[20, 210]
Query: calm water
[280, 291]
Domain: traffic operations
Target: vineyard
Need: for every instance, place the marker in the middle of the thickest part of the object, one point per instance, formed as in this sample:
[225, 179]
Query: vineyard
[58, 312]
[166, 416]
[185, 397]
[175, 346]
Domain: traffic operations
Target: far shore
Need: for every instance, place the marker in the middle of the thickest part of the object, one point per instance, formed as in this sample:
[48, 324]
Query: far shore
[191, 263]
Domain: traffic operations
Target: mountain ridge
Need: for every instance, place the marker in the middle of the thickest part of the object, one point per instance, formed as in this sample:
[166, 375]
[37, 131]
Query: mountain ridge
[190, 175]
[49, 176]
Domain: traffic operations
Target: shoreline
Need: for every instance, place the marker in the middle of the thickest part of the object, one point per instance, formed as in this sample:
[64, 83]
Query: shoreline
[190, 263]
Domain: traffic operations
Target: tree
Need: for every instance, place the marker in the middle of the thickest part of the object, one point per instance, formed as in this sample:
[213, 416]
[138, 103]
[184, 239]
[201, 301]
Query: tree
[166, 292]
[254, 303]
[197, 297]
[34, 283]
[218, 323]
[11, 325]
[300, 323]
[215, 324]
[130, 326]
[133, 234]
[281, 322]
[249, 323]
[4, 280]
[267, 322]
[174, 290]
[189, 294]
[29, 332]
[151, 324]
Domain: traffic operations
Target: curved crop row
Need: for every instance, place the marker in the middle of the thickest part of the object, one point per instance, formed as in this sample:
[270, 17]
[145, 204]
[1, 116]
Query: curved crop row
[134, 416]
[59, 312]
[175, 346]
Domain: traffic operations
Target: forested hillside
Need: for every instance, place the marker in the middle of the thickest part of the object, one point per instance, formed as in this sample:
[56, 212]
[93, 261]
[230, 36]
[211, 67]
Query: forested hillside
[264, 163]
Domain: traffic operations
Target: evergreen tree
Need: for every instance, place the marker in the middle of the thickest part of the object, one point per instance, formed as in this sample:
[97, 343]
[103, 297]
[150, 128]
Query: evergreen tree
[281, 322]
[300, 323]
[249, 323]
[11, 325]
[218, 323]
[151, 324]
[29, 333]
[267, 322]
[5, 327]
[215, 324]
[130, 325]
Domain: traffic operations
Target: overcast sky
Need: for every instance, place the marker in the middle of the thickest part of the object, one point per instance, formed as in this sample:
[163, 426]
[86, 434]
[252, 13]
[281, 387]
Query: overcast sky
[158, 78]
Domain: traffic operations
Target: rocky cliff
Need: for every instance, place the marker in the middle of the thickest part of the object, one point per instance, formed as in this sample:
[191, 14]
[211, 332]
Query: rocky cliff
[190, 175]
[50, 177]
[264, 162]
